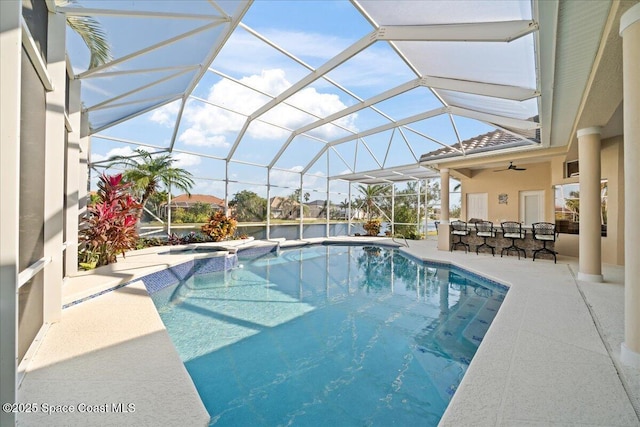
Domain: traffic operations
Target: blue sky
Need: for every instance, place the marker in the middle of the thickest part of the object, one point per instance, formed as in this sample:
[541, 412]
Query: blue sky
[246, 74]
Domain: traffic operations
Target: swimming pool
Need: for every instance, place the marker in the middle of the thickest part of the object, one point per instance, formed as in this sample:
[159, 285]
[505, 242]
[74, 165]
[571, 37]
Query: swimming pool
[349, 335]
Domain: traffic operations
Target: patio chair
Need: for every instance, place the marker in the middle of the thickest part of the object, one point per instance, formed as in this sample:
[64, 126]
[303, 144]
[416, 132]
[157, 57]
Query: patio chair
[513, 230]
[544, 232]
[485, 230]
[459, 228]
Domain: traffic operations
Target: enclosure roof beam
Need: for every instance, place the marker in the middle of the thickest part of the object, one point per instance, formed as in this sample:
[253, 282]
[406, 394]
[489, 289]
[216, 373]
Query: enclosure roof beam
[87, 11]
[219, 43]
[148, 49]
[501, 31]
[382, 128]
[350, 110]
[515, 93]
[334, 62]
[494, 118]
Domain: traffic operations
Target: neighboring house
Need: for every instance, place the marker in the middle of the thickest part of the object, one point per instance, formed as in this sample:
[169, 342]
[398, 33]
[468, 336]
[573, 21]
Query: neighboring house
[316, 208]
[284, 207]
[186, 201]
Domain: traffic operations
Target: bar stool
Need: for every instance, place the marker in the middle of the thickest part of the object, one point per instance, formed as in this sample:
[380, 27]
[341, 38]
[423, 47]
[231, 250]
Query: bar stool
[459, 228]
[544, 232]
[512, 230]
[485, 230]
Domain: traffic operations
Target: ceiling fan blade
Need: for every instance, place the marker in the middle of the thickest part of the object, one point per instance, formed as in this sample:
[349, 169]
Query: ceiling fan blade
[511, 167]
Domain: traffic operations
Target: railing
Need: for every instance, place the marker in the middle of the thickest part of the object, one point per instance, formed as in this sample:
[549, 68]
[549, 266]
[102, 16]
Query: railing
[400, 235]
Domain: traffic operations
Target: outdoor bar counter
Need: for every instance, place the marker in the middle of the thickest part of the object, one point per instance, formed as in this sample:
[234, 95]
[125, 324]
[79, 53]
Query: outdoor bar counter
[529, 244]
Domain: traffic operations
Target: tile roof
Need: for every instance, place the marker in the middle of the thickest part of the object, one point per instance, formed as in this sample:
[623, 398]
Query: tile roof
[486, 142]
[186, 199]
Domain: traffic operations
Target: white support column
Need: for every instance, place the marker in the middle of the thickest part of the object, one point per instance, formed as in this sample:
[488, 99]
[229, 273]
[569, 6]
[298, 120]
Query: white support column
[84, 173]
[426, 208]
[327, 205]
[169, 211]
[349, 212]
[444, 238]
[328, 213]
[590, 258]
[10, 70]
[630, 32]
[226, 187]
[72, 192]
[268, 231]
[418, 218]
[301, 208]
[54, 168]
[393, 209]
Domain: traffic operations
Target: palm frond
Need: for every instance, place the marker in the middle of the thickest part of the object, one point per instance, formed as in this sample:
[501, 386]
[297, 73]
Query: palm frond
[91, 33]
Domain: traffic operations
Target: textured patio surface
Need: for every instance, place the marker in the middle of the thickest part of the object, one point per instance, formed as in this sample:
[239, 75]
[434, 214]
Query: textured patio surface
[544, 361]
[549, 358]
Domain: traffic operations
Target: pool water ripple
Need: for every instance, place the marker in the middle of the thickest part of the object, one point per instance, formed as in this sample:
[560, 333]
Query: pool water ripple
[325, 335]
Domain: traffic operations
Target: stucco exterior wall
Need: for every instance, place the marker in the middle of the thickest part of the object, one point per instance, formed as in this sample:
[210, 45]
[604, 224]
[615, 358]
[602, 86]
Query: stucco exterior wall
[543, 176]
[536, 177]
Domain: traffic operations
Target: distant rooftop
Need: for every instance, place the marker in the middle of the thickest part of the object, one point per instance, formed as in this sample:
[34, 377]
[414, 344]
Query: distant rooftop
[482, 143]
[186, 200]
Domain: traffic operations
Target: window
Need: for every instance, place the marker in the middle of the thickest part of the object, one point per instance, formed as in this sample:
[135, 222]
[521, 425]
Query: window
[567, 208]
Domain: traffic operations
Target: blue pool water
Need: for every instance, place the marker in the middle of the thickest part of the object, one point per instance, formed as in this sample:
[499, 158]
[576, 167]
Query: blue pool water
[322, 335]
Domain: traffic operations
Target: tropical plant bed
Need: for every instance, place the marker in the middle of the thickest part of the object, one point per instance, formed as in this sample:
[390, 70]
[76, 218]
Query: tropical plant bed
[110, 226]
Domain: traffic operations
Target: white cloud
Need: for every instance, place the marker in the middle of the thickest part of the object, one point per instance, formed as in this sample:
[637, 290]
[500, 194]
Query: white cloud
[241, 45]
[280, 178]
[166, 115]
[272, 81]
[209, 126]
[198, 136]
[215, 188]
[118, 151]
[184, 160]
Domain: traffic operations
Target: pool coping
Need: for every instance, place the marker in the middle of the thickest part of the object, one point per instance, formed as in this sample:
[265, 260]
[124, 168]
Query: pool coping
[514, 378]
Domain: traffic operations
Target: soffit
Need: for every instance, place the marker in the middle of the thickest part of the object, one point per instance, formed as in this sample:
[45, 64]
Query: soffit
[580, 29]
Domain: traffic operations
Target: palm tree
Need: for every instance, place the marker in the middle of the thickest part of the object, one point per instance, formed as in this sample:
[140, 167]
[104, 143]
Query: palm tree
[147, 172]
[369, 195]
[344, 208]
[91, 33]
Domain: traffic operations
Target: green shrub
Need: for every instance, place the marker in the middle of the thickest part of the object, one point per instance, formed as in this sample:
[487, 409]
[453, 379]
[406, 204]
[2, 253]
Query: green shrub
[178, 216]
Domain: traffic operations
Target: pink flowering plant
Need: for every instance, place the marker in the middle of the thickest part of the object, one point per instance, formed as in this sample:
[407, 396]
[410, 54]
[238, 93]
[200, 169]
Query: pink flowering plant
[109, 227]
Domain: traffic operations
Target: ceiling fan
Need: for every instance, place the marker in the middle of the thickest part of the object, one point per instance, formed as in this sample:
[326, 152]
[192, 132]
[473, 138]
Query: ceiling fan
[511, 167]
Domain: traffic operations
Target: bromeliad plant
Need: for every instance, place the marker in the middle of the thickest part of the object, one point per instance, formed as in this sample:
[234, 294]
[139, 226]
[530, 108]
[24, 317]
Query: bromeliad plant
[109, 227]
[220, 227]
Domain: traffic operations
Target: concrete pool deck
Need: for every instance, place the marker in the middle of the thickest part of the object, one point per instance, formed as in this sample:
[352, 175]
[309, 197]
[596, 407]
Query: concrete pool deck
[551, 356]
[544, 361]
